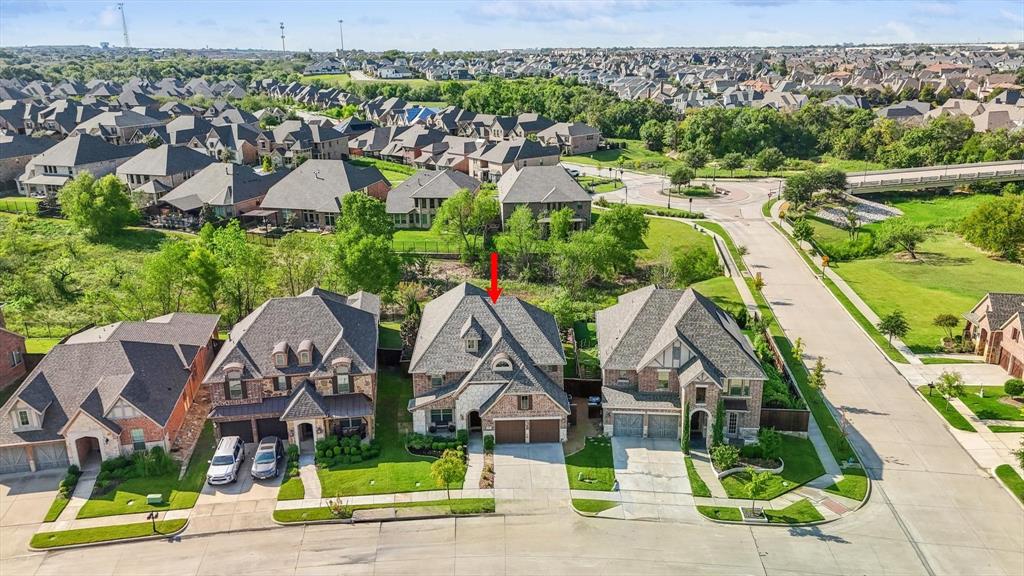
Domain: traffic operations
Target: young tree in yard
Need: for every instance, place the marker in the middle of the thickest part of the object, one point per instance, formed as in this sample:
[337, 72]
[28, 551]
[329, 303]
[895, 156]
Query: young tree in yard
[950, 384]
[694, 264]
[244, 270]
[769, 160]
[100, 208]
[204, 275]
[520, 241]
[997, 225]
[226, 155]
[803, 230]
[816, 379]
[560, 224]
[852, 221]
[165, 278]
[695, 158]
[653, 135]
[732, 162]
[268, 165]
[893, 324]
[756, 485]
[947, 322]
[759, 282]
[447, 470]
[681, 176]
[302, 262]
[467, 215]
[798, 349]
[627, 224]
[901, 233]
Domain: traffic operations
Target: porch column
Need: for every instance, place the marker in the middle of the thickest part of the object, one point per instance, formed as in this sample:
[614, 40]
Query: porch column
[369, 427]
[31, 453]
[255, 432]
[645, 424]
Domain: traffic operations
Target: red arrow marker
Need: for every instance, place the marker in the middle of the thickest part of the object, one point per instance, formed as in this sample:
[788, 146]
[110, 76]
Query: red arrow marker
[494, 291]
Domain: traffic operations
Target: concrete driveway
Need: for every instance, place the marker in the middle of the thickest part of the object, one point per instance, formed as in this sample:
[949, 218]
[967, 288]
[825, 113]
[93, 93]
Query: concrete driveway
[652, 480]
[24, 501]
[245, 504]
[530, 478]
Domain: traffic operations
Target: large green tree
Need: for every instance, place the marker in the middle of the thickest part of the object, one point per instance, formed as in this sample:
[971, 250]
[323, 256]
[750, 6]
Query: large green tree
[520, 242]
[467, 215]
[901, 233]
[694, 264]
[997, 225]
[100, 208]
[627, 224]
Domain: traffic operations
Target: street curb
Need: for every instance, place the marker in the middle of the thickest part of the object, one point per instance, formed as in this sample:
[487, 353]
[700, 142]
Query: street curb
[396, 519]
[108, 542]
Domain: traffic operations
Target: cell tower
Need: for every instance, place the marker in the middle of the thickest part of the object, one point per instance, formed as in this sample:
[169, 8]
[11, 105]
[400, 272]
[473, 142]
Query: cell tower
[124, 25]
[341, 31]
[282, 37]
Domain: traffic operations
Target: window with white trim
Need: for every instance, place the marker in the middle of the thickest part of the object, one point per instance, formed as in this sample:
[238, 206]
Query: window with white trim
[16, 357]
[342, 381]
[436, 380]
[502, 365]
[280, 359]
[24, 419]
[441, 416]
[663, 379]
[734, 422]
[138, 439]
[739, 388]
[281, 383]
[304, 358]
[235, 391]
[472, 344]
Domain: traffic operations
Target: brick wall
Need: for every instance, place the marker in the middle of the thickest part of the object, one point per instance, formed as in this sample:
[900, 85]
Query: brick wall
[9, 341]
[508, 407]
[379, 190]
[647, 381]
[253, 393]
[421, 382]
[153, 432]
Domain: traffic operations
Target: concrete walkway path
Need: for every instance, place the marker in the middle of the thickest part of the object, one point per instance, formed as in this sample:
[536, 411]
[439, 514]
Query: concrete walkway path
[86, 483]
[310, 479]
[474, 461]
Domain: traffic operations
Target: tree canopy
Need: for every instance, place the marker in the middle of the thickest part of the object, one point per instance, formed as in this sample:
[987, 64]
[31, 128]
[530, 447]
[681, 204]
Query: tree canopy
[100, 208]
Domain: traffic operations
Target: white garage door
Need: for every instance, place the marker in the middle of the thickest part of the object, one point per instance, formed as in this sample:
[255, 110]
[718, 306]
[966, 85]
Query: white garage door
[628, 425]
[51, 456]
[13, 459]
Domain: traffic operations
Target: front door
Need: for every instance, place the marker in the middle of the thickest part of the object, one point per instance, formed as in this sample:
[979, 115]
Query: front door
[474, 420]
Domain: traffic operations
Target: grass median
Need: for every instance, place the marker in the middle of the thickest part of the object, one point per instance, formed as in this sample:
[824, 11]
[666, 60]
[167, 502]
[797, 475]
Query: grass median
[456, 507]
[105, 533]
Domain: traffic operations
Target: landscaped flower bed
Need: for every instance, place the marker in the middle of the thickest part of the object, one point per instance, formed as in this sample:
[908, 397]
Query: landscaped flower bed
[434, 446]
[332, 450]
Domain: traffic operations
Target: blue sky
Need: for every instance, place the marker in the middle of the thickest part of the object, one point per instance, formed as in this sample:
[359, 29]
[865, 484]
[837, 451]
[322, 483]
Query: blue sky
[448, 25]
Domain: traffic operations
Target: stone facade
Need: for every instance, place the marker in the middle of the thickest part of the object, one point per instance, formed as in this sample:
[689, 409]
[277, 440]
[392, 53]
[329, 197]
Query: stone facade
[421, 382]
[507, 408]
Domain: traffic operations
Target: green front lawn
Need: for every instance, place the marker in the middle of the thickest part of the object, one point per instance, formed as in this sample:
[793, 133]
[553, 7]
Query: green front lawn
[588, 506]
[664, 237]
[798, 512]
[292, 489]
[853, 484]
[1008, 476]
[935, 360]
[56, 507]
[1005, 429]
[395, 470]
[390, 335]
[129, 497]
[592, 468]
[463, 506]
[697, 485]
[727, 513]
[989, 407]
[104, 533]
[722, 291]
[801, 466]
[954, 418]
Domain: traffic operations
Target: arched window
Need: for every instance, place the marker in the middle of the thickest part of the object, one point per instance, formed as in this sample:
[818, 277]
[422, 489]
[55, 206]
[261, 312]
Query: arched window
[502, 365]
[280, 359]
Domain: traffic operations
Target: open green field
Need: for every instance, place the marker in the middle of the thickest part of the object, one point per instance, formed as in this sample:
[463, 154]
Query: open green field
[666, 236]
[396, 469]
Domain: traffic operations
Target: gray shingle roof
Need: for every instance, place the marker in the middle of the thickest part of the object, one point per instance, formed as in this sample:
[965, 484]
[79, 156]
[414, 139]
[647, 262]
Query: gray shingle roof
[1003, 305]
[16, 145]
[613, 397]
[319, 185]
[646, 321]
[532, 184]
[334, 324]
[221, 184]
[146, 363]
[80, 149]
[428, 184]
[509, 151]
[166, 160]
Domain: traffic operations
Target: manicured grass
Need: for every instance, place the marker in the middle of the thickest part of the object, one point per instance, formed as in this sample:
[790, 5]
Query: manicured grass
[599, 184]
[40, 345]
[390, 335]
[636, 156]
[395, 470]
[932, 210]
[729, 244]
[989, 407]
[998, 429]
[588, 506]
[934, 360]
[796, 513]
[727, 513]
[426, 241]
[332, 79]
[853, 484]
[766, 208]
[950, 277]
[463, 506]
[849, 166]
[592, 468]
[722, 291]
[58, 506]
[664, 237]
[104, 533]
[954, 418]
[1008, 476]
[292, 489]
[802, 466]
[393, 171]
[19, 205]
[130, 496]
[697, 485]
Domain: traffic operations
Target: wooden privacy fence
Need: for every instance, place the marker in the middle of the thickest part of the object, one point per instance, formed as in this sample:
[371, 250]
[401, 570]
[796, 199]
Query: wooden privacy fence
[785, 420]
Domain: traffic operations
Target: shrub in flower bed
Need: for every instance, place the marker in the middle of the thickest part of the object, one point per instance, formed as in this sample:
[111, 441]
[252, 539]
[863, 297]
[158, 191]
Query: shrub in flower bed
[142, 464]
[427, 445]
[292, 468]
[67, 485]
[334, 451]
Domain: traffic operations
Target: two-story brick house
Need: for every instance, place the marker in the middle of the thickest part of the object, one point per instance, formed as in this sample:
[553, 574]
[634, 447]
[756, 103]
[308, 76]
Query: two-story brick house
[995, 326]
[414, 202]
[46, 173]
[543, 189]
[489, 366]
[299, 368]
[661, 350]
[312, 193]
[487, 164]
[107, 391]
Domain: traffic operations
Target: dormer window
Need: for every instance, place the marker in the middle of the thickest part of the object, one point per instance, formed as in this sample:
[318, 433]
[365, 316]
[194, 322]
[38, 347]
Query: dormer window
[23, 418]
[304, 358]
[472, 345]
[280, 355]
[501, 364]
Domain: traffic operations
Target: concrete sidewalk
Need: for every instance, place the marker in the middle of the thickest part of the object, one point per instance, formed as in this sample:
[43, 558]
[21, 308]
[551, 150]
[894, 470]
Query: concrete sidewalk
[401, 497]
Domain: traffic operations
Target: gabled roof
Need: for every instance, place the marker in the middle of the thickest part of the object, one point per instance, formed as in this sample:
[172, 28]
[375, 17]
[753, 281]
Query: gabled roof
[337, 326]
[1002, 306]
[319, 185]
[645, 322]
[509, 151]
[220, 184]
[16, 145]
[532, 184]
[81, 149]
[166, 160]
[428, 184]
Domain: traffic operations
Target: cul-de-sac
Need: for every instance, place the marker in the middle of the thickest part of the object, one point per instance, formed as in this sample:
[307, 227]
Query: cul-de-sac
[524, 287]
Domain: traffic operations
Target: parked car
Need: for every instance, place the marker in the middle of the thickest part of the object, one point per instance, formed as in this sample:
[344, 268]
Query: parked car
[268, 456]
[573, 172]
[226, 461]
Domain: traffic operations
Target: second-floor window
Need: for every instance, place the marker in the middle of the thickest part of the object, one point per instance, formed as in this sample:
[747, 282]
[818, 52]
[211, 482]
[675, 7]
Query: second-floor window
[739, 388]
[23, 419]
[304, 358]
[281, 383]
[16, 357]
[663, 379]
[235, 391]
[342, 383]
[436, 380]
[525, 402]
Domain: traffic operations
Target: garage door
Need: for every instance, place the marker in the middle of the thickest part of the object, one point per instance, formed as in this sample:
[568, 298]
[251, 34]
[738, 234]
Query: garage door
[628, 425]
[510, 431]
[51, 456]
[272, 427]
[242, 429]
[13, 459]
[663, 426]
[544, 431]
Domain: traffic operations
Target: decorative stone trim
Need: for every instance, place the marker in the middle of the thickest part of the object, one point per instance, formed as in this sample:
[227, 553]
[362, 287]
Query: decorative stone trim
[739, 469]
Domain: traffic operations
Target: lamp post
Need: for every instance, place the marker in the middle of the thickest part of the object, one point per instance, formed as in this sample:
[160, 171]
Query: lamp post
[152, 516]
[625, 187]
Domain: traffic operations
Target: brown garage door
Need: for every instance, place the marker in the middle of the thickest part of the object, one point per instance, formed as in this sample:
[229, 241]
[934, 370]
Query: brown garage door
[510, 431]
[543, 431]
